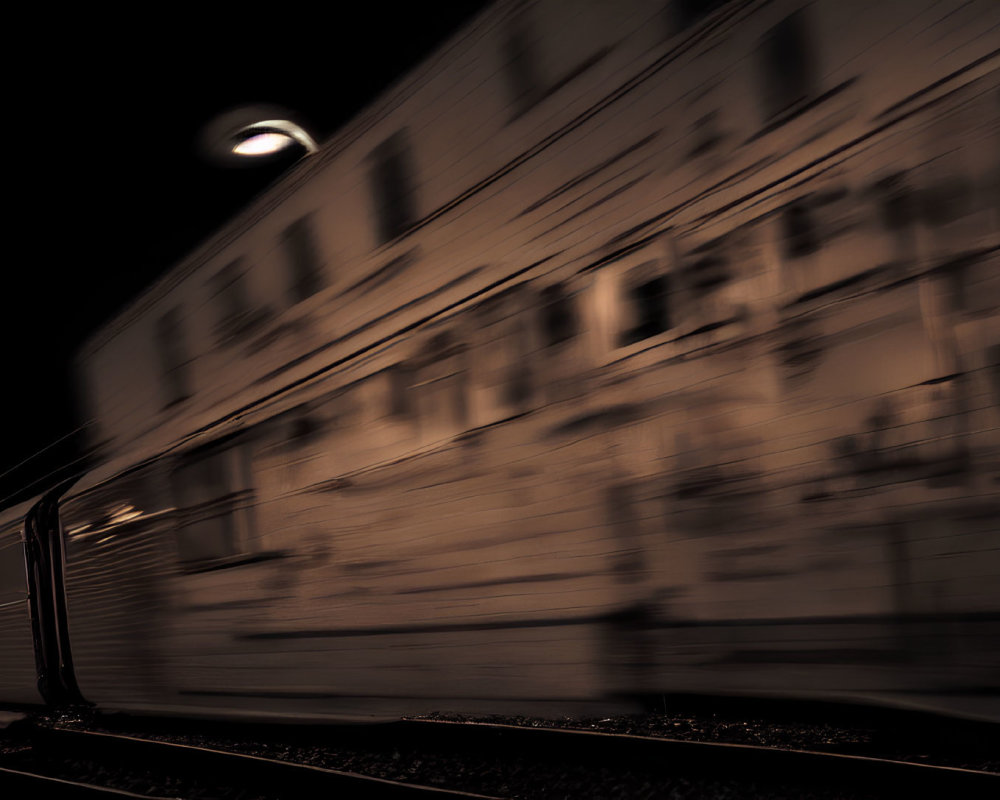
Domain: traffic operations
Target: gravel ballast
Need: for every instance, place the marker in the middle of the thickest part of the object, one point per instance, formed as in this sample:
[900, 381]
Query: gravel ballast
[394, 752]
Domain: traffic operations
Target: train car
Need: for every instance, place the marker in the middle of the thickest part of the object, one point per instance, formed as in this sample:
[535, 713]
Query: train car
[37, 666]
[241, 576]
[18, 670]
[646, 383]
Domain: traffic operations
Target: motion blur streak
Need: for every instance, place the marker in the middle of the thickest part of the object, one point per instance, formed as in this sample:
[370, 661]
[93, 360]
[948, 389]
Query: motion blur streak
[622, 348]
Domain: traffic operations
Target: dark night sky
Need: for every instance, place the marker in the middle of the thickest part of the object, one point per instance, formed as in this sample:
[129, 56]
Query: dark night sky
[109, 185]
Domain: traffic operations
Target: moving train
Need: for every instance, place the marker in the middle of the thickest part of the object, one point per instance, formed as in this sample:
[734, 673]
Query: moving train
[683, 395]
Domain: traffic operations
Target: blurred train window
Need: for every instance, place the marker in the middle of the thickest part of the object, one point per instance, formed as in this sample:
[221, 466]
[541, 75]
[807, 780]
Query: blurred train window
[173, 363]
[299, 240]
[214, 500]
[786, 65]
[647, 301]
[558, 317]
[441, 387]
[956, 279]
[896, 199]
[304, 428]
[401, 378]
[518, 386]
[231, 294]
[705, 134]
[444, 405]
[686, 13]
[946, 200]
[392, 187]
[800, 231]
[707, 273]
[521, 65]
[12, 574]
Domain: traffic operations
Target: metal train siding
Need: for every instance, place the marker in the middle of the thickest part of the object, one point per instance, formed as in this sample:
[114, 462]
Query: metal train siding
[18, 670]
[695, 390]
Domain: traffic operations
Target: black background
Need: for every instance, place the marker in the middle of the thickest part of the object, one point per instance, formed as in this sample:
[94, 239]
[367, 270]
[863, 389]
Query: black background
[109, 189]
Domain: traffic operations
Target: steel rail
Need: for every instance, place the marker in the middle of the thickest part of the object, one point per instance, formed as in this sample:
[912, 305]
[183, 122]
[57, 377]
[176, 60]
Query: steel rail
[562, 747]
[266, 775]
[692, 755]
[19, 783]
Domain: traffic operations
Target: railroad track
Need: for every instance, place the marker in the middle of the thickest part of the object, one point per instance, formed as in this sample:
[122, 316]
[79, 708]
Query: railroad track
[201, 772]
[501, 760]
[17, 783]
[698, 757]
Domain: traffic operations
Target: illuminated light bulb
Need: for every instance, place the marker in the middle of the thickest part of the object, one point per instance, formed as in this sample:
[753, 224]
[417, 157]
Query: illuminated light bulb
[253, 134]
[262, 144]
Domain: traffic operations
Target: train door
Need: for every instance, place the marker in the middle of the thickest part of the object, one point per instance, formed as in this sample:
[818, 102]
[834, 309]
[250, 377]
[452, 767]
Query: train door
[45, 562]
[18, 666]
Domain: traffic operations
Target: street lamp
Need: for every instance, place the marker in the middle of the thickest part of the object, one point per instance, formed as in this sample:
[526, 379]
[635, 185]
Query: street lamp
[251, 134]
